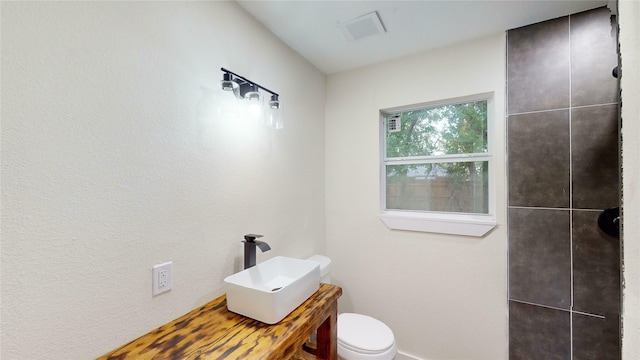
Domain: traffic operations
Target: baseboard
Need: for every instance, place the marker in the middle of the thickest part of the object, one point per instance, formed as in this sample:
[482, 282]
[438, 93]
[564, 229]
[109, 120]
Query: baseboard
[404, 356]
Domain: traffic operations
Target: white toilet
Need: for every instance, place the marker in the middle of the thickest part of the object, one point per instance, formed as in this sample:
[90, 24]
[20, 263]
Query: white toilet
[360, 337]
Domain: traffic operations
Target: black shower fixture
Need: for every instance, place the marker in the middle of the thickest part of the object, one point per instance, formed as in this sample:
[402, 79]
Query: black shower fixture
[609, 222]
[615, 72]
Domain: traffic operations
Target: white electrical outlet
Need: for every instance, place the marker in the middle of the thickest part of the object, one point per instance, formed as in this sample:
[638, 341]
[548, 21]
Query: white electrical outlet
[162, 274]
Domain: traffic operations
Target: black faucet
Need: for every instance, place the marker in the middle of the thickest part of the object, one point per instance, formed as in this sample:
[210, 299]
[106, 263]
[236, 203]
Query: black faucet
[250, 243]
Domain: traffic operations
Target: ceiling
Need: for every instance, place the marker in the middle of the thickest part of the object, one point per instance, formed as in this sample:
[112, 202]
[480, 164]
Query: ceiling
[313, 28]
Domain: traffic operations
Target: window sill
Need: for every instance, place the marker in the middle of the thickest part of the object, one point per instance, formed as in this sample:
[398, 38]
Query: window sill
[454, 224]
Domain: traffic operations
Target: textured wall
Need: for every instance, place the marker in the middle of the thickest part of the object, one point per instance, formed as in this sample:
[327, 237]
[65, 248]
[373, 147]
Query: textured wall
[443, 296]
[113, 160]
[564, 274]
[629, 18]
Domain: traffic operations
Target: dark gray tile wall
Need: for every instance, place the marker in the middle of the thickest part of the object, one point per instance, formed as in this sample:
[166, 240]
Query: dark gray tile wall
[596, 267]
[563, 162]
[593, 57]
[540, 257]
[538, 333]
[539, 165]
[594, 156]
[595, 338]
[538, 67]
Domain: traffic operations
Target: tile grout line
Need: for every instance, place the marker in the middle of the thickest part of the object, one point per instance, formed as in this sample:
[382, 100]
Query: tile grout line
[540, 305]
[564, 108]
[570, 199]
[506, 168]
[550, 208]
[587, 314]
[558, 309]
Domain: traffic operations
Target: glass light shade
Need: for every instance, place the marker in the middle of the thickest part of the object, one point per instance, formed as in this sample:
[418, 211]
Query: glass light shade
[279, 120]
[249, 91]
[227, 103]
[252, 96]
[229, 85]
[253, 111]
[274, 103]
[273, 117]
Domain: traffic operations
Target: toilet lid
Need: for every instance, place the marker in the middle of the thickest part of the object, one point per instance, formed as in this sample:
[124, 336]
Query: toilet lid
[363, 333]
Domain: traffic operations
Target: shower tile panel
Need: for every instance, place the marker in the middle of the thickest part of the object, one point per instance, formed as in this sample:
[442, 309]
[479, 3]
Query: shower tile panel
[593, 57]
[538, 67]
[596, 338]
[596, 267]
[594, 157]
[538, 152]
[563, 164]
[540, 257]
[536, 332]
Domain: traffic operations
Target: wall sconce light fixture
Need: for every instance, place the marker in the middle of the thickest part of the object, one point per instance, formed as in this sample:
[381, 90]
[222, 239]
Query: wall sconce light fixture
[246, 89]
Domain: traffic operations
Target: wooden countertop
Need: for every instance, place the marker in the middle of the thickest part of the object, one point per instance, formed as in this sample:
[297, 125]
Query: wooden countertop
[213, 332]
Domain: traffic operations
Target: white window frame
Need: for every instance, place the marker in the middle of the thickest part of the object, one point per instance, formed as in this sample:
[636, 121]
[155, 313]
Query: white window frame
[434, 221]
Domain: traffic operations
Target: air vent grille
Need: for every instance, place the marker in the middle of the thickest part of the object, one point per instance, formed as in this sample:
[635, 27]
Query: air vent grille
[363, 26]
[393, 123]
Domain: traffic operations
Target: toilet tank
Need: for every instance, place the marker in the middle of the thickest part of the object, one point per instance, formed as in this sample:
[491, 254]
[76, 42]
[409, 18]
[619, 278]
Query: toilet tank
[325, 267]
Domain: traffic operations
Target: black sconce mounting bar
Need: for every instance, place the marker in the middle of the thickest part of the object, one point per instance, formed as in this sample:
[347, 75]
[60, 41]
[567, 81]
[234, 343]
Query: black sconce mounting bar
[249, 81]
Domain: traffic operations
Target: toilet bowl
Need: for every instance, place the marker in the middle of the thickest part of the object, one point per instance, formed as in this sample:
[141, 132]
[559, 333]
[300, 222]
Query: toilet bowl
[360, 337]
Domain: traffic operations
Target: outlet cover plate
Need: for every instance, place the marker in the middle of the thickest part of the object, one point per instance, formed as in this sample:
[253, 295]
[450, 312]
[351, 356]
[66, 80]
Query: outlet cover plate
[162, 277]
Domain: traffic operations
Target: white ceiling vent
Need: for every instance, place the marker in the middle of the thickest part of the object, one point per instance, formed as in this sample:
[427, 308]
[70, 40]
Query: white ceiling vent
[363, 26]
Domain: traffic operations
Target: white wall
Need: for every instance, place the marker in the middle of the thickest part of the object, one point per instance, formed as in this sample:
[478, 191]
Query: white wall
[629, 20]
[112, 162]
[445, 297]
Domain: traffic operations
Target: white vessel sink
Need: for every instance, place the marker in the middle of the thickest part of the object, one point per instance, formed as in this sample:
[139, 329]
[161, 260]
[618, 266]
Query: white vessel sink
[272, 289]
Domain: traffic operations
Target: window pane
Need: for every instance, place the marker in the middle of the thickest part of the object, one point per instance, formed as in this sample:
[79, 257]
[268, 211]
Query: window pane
[449, 187]
[443, 130]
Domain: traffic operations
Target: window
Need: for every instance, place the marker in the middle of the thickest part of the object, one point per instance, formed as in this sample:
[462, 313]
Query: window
[435, 167]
